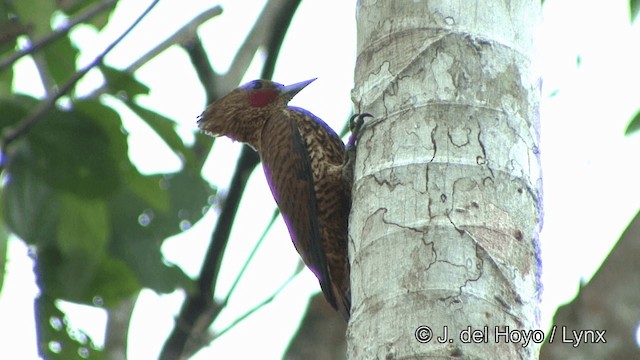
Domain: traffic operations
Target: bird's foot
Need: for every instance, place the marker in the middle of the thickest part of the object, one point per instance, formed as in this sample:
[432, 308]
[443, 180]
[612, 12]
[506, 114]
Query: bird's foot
[356, 124]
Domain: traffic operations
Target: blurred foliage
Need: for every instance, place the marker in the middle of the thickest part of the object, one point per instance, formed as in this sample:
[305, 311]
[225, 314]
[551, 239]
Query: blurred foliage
[634, 124]
[634, 7]
[69, 190]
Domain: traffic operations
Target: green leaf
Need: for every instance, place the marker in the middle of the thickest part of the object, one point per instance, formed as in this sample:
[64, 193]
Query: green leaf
[143, 256]
[29, 205]
[75, 7]
[123, 84]
[56, 340]
[634, 124]
[43, 164]
[60, 57]
[36, 14]
[114, 281]
[137, 238]
[110, 123]
[634, 7]
[15, 108]
[83, 230]
[148, 189]
[72, 153]
[73, 278]
[6, 81]
[166, 129]
[189, 196]
[139, 228]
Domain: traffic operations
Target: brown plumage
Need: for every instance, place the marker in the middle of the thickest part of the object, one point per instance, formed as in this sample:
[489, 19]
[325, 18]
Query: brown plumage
[303, 160]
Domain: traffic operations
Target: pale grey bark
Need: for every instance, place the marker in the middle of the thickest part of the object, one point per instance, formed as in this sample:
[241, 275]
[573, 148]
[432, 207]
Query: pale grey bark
[447, 191]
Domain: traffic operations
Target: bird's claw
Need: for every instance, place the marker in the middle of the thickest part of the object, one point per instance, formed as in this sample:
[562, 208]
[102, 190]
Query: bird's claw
[356, 124]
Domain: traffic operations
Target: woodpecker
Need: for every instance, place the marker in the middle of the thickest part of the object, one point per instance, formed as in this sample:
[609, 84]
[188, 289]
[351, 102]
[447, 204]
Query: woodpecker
[308, 170]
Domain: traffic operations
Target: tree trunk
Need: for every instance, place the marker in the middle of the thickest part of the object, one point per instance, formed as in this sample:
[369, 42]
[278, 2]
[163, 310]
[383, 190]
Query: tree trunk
[447, 191]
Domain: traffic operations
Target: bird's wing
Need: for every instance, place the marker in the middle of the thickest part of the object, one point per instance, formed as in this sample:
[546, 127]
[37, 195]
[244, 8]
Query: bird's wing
[287, 166]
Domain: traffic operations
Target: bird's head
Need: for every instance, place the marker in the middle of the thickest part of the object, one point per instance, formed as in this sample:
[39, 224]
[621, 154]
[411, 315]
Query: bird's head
[241, 114]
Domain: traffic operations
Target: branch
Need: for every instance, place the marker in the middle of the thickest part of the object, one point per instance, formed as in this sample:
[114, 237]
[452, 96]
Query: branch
[183, 35]
[12, 133]
[213, 259]
[199, 309]
[278, 28]
[117, 332]
[62, 31]
[204, 70]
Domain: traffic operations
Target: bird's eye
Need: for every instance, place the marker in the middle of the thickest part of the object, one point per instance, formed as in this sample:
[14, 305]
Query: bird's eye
[256, 85]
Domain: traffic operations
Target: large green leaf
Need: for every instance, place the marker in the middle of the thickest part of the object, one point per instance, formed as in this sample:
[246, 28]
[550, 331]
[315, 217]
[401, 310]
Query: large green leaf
[634, 7]
[29, 205]
[75, 7]
[110, 123]
[148, 189]
[139, 227]
[65, 152]
[15, 108]
[6, 81]
[634, 124]
[73, 278]
[83, 230]
[145, 187]
[72, 153]
[122, 84]
[61, 56]
[36, 14]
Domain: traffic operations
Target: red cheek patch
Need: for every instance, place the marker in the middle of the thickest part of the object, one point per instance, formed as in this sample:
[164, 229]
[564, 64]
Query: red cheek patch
[260, 98]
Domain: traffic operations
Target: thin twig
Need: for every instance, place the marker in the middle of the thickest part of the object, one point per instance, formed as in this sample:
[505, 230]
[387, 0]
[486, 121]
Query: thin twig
[62, 31]
[181, 36]
[45, 106]
[262, 304]
[276, 212]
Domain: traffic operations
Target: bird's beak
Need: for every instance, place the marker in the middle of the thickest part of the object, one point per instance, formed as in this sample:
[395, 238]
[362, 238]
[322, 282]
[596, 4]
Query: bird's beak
[291, 90]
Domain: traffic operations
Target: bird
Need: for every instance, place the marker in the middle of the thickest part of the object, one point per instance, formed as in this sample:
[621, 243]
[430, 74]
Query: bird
[308, 169]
